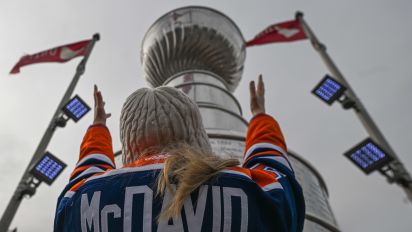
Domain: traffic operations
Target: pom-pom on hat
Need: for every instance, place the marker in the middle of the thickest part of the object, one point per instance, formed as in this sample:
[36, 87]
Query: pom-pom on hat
[154, 119]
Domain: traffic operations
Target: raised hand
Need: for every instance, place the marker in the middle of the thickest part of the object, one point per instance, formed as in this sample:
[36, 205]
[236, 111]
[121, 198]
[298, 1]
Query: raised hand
[100, 115]
[257, 96]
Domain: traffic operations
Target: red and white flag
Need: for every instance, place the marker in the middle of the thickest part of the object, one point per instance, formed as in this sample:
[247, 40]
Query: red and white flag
[280, 32]
[58, 54]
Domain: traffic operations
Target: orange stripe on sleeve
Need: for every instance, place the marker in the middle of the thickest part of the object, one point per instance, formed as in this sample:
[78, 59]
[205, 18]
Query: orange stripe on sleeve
[97, 140]
[264, 129]
[82, 168]
[263, 178]
[242, 170]
[81, 182]
[261, 153]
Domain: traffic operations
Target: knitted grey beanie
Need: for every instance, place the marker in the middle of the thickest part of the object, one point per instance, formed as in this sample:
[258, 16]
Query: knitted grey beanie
[153, 119]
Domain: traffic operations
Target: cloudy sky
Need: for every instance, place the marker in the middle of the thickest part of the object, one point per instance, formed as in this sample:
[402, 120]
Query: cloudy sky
[369, 41]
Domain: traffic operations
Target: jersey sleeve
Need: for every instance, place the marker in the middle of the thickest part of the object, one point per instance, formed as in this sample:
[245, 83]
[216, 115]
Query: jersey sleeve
[96, 154]
[266, 158]
[265, 143]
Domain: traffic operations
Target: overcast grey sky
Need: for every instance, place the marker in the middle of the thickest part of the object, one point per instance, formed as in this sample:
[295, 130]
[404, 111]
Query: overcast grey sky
[369, 40]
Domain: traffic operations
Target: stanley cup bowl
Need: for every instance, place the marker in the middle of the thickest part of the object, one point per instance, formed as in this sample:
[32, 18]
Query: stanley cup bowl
[193, 38]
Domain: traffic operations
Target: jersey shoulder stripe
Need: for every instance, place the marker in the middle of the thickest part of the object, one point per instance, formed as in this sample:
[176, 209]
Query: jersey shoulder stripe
[127, 170]
[86, 173]
[263, 145]
[95, 158]
[78, 171]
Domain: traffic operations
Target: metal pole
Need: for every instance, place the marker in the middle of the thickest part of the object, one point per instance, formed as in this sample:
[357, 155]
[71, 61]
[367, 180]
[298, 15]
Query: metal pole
[401, 175]
[23, 185]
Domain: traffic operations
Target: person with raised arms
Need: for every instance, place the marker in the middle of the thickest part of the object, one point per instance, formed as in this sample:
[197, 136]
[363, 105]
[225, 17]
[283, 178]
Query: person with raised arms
[171, 180]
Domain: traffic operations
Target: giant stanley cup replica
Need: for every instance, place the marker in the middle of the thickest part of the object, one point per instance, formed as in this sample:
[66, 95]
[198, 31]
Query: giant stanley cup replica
[201, 52]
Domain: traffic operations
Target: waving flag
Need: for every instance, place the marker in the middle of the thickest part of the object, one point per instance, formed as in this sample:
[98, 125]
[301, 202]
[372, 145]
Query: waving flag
[280, 32]
[58, 54]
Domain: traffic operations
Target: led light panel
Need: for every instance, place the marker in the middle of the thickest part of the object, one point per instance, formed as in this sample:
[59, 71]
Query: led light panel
[48, 168]
[76, 108]
[328, 90]
[368, 156]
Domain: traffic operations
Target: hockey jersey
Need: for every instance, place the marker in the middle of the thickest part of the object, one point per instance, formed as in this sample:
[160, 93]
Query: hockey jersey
[261, 195]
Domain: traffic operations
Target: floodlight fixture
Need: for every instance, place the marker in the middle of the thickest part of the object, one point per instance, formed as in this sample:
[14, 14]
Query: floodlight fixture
[368, 156]
[76, 108]
[48, 168]
[329, 90]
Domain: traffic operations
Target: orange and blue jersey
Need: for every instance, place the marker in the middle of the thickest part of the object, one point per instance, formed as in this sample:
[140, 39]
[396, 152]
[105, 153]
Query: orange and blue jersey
[261, 195]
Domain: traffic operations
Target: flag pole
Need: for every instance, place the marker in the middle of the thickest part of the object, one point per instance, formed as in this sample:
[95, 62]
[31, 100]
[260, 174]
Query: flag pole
[25, 186]
[400, 175]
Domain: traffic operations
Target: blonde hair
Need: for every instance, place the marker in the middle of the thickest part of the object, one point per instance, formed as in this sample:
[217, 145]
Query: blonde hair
[188, 169]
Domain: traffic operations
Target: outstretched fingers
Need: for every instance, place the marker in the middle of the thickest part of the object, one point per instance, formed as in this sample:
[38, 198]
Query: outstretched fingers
[257, 96]
[100, 114]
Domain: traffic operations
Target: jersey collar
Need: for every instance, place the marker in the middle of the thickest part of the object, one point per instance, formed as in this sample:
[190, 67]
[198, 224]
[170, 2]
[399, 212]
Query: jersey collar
[148, 160]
